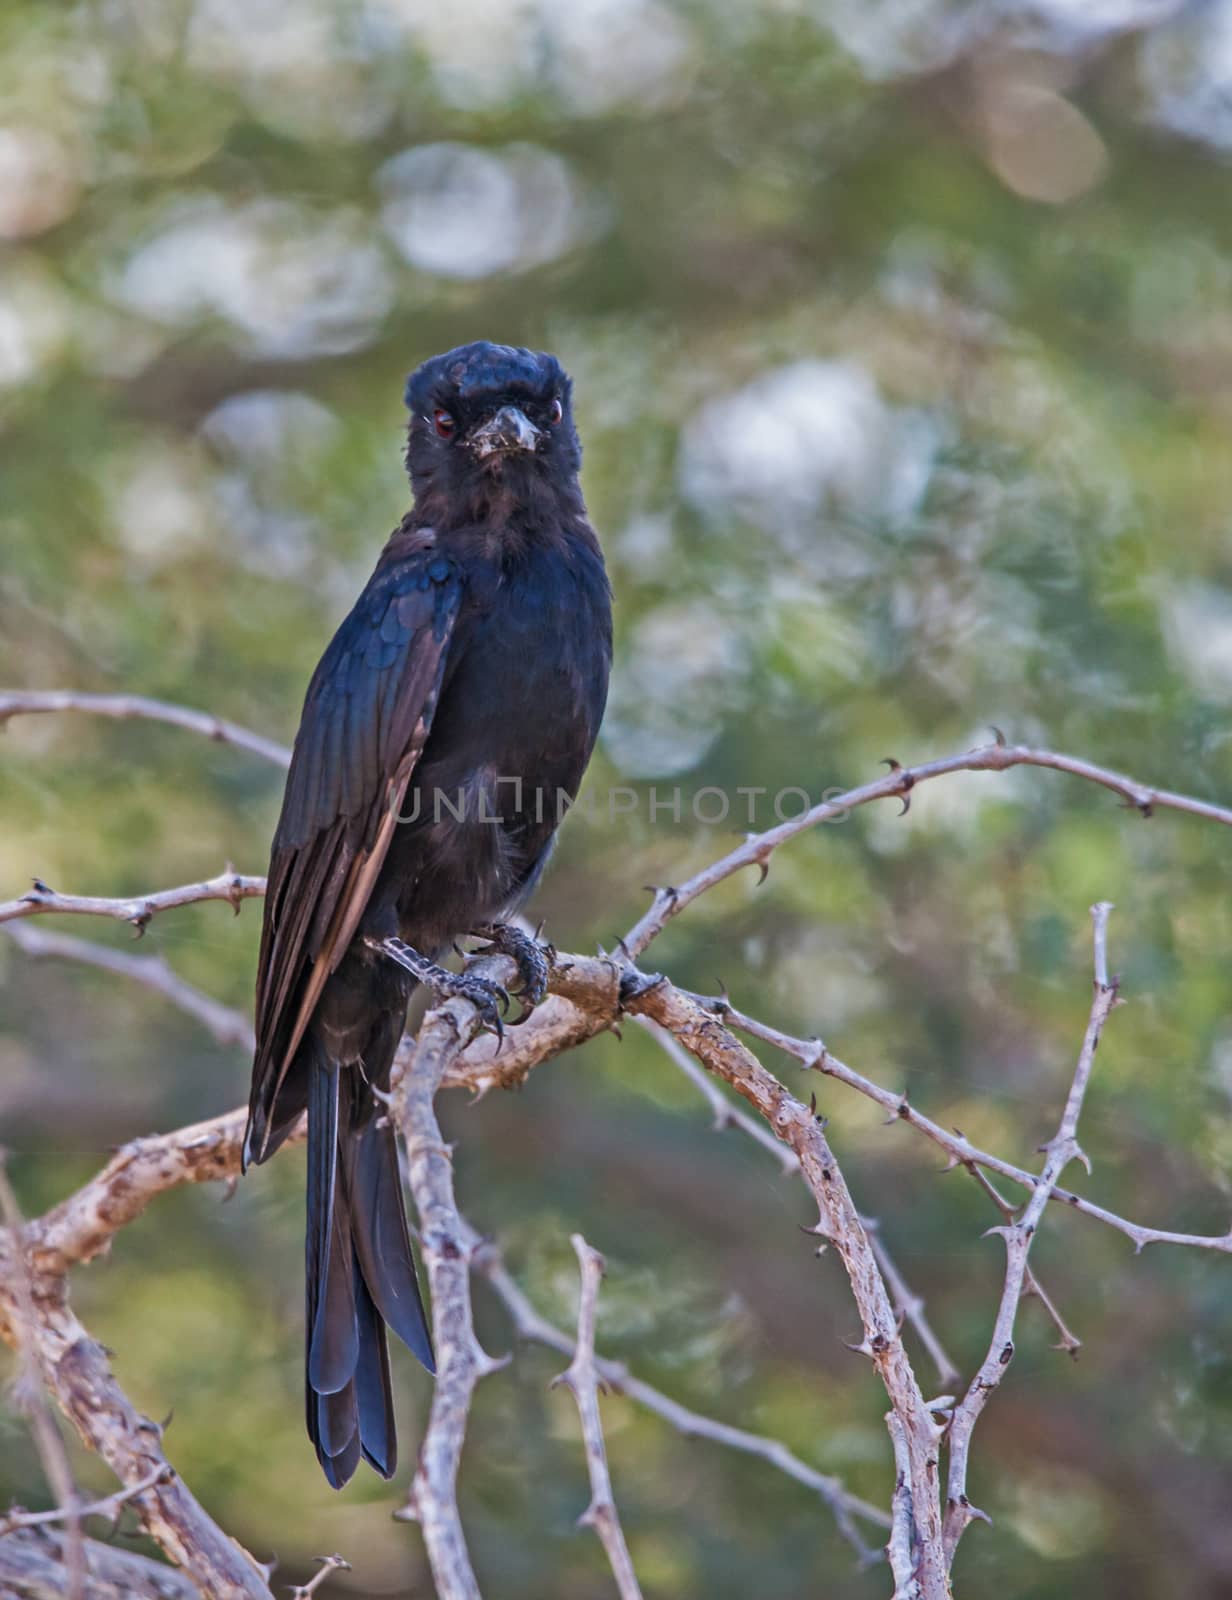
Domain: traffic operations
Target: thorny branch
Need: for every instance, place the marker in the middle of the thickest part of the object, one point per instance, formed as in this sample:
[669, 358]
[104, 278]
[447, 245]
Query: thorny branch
[581, 1378]
[909, 1306]
[1032, 1288]
[138, 910]
[898, 784]
[669, 902]
[84, 1224]
[588, 997]
[1060, 1150]
[461, 1361]
[900, 1547]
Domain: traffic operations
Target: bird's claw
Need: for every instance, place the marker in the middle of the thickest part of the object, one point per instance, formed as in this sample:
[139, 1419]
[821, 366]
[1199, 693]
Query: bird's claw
[490, 1000]
[534, 962]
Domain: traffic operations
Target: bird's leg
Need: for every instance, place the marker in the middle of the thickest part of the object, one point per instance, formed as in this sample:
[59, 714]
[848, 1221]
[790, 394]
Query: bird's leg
[534, 961]
[489, 999]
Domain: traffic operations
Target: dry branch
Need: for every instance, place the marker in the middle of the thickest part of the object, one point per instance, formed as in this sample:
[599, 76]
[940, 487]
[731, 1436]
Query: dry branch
[460, 1360]
[898, 784]
[581, 1378]
[909, 1306]
[1032, 1288]
[1060, 1150]
[82, 1226]
[726, 1114]
[138, 909]
[900, 1547]
[585, 1001]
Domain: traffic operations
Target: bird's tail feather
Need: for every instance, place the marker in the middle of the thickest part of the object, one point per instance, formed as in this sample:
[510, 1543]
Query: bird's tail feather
[360, 1273]
[382, 1240]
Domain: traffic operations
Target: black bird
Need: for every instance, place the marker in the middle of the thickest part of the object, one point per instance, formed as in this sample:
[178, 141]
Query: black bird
[454, 706]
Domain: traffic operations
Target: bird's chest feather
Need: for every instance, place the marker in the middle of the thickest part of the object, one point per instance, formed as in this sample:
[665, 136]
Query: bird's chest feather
[518, 714]
[526, 695]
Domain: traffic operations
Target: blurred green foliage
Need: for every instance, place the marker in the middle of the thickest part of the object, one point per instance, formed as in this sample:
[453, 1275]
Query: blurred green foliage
[902, 338]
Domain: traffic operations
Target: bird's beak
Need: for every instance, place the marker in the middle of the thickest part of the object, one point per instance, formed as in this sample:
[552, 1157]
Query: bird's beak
[509, 429]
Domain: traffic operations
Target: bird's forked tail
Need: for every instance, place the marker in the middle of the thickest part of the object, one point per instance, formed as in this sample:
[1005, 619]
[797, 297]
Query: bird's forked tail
[360, 1274]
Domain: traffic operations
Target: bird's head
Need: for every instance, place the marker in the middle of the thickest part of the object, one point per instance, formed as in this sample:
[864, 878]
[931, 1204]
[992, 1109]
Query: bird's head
[491, 426]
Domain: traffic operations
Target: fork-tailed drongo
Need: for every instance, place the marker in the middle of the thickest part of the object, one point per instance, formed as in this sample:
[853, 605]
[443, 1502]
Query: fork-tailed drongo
[456, 702]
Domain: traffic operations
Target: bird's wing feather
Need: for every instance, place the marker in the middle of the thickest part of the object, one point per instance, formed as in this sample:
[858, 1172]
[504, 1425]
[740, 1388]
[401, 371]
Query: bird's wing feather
[366, 718]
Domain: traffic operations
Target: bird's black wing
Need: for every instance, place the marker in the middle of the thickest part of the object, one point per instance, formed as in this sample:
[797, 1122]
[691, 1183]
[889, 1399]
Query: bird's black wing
[366, 718]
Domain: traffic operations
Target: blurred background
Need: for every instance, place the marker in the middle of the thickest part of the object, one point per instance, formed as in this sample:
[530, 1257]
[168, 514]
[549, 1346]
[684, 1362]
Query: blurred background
[902, 337]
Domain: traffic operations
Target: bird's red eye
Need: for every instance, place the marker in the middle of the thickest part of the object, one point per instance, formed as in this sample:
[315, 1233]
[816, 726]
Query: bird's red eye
[444, 423]
[555, 412]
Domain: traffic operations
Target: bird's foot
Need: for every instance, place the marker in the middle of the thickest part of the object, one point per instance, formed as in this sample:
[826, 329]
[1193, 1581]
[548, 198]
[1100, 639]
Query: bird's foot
[534, 960]
[489, 999]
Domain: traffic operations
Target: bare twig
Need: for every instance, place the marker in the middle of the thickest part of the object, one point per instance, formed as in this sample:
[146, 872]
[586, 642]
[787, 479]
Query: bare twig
[582, 1379]
[139, 909]
[43, 1427]
[24, 703]
[109, 1506]
[528, 1324]
[460, 1360]
[1032, 1288]
[898, 783]
[302, 1591]
[225, 1024]
[1060, 1150]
